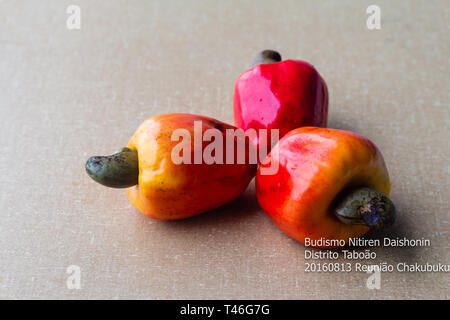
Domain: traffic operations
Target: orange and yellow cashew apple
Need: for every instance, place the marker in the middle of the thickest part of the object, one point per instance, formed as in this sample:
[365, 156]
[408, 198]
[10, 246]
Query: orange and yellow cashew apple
[331, 185]
[162, 188]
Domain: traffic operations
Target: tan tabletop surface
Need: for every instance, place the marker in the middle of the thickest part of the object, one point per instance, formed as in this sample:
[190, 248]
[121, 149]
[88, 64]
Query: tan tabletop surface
[68, 94]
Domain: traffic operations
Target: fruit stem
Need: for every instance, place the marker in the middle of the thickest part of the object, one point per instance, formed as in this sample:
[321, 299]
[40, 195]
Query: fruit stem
[366, 206]
[267, 56]
[119, 170]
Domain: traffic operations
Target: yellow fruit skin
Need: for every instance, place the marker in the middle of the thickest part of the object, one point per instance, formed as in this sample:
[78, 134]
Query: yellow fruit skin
[170, 191]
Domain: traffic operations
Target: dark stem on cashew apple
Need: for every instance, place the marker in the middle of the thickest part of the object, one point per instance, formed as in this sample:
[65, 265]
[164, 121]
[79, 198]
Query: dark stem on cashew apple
[366, 206]
[119, 170]
[267, 56]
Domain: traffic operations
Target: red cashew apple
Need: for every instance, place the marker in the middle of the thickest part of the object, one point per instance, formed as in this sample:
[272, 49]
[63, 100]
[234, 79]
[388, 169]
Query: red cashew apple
[282, 95]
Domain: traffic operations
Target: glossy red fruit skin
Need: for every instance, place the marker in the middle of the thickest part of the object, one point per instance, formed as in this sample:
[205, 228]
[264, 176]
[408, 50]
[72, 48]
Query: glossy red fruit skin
[316, 166]
[283, 95]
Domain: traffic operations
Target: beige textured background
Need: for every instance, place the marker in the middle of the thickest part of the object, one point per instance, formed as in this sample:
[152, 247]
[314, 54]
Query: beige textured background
[66, 95]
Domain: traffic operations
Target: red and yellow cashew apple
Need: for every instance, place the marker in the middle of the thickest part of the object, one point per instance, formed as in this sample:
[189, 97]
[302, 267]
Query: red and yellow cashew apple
[162, 188]
[330, 184]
